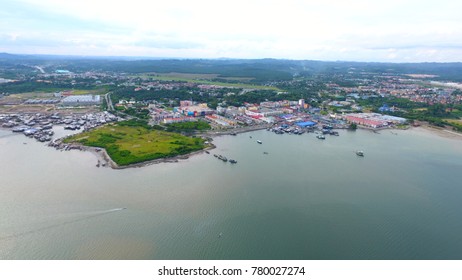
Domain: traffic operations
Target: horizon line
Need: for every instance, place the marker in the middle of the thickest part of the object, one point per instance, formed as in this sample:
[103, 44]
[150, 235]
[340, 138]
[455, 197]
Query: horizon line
[133, 57]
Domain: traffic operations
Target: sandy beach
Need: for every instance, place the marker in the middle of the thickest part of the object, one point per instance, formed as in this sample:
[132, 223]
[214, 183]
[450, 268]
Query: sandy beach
[103, 158]
[440, 131]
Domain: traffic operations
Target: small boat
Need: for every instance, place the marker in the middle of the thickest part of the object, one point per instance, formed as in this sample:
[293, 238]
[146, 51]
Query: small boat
[220, 235]
[265, 153]
[320, 136]
[207, 152]
[250, 136]
[360, 153]
[259, 142]
[232, 161]
[215, 155]
[233, 133]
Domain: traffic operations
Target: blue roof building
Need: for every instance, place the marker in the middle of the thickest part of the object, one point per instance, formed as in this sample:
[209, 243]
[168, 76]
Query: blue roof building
[306, 124]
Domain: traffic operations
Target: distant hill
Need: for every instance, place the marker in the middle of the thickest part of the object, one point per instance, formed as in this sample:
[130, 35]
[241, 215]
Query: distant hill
[261, 70]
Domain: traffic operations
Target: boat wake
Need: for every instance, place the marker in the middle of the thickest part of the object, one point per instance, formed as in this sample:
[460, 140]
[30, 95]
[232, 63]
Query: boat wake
[116, 209]
[73, 221]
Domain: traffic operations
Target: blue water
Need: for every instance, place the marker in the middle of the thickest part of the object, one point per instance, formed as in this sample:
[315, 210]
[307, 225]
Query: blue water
[305, 199]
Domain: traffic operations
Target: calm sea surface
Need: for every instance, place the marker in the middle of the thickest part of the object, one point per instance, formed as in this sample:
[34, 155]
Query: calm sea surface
[305, 199]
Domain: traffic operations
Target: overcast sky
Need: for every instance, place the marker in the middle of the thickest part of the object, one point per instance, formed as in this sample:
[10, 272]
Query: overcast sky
[355, 30]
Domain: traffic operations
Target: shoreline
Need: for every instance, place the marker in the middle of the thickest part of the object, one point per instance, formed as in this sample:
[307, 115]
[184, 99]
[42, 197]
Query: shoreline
[440, 131]
[105, 160]
[103, 156]
[239, 130]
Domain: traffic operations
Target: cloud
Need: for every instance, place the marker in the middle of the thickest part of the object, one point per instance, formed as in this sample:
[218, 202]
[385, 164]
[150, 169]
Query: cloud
[327, 30]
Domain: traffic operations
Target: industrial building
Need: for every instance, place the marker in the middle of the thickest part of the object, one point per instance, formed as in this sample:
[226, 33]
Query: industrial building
[373, 120]
[81, 100]
[306, 124]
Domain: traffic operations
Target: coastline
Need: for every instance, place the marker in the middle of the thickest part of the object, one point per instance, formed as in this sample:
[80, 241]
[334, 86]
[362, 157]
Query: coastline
[102, 155]
[239, 130]
[105, 160]
[440, 131]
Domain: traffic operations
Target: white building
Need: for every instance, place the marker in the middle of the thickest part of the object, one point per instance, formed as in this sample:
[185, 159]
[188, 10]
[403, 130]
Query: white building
[81, 100]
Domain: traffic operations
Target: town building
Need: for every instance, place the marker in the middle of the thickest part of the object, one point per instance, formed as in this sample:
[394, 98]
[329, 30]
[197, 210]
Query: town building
[200, 110]
[373, 120]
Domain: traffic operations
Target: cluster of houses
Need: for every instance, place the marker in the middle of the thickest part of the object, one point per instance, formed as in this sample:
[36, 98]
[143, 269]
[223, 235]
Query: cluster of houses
[226, 116]
[40, 126]
[265, 112]
[412, 89]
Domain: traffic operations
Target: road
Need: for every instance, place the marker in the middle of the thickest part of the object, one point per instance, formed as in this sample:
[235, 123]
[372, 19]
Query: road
[40, 69]
[110, 107]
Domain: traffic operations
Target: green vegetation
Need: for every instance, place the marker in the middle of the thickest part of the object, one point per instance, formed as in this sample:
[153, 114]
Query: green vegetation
[225, 82]
[33, 86]
[437, 114]
[188, 126]
[137, 112]
[456, 124]
[232, 96]
[216, 82]
[134, 141]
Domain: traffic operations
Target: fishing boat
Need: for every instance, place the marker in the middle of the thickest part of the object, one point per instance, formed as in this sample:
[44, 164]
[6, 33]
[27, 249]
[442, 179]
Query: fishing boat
[360, 153]
[232, 161]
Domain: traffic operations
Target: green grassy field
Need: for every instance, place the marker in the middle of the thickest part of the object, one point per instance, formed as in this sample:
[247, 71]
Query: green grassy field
[205, 79]
[458, 122]
[133, 144]
[93, 91]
